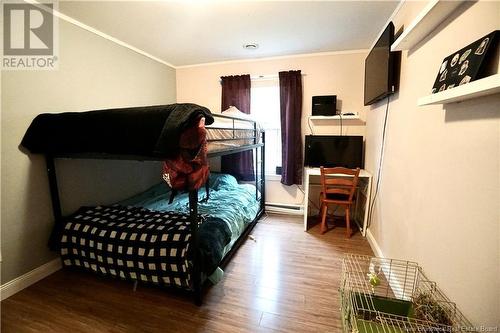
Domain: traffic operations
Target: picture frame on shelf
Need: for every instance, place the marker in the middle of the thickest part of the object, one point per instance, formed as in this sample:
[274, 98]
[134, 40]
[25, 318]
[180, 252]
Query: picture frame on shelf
[467, 64]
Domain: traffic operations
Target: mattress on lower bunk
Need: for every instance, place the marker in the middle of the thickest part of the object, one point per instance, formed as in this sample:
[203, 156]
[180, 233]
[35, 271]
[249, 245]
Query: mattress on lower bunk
[233, 203]
[144, 238]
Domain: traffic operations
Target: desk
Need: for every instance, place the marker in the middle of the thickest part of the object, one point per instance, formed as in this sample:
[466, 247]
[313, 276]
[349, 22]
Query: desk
[362, 205]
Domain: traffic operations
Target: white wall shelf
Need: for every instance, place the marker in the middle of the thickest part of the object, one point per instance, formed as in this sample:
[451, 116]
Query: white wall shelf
[336, 117]
[487, 86]
[426, 21]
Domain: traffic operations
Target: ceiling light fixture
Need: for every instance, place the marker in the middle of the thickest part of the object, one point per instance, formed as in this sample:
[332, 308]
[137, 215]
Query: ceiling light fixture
[251, 46]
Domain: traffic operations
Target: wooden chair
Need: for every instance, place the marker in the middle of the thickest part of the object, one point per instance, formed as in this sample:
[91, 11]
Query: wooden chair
[337, 187]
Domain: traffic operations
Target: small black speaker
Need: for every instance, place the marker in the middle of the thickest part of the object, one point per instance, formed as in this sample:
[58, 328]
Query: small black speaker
[324, 105]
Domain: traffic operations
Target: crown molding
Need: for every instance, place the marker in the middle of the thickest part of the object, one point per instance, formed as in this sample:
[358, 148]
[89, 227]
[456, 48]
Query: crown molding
[301, 55]
[99, 33]
[117, 41]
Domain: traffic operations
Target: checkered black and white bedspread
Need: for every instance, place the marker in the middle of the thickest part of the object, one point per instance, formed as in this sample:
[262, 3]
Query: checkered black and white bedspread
[130, 243]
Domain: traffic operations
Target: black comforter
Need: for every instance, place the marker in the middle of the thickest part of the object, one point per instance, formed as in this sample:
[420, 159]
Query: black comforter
[139, 131]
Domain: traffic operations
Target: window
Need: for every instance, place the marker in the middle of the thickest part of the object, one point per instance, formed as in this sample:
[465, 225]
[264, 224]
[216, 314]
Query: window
[265, 107]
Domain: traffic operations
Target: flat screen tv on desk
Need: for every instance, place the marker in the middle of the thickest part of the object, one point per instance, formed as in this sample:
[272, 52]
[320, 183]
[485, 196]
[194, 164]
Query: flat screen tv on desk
[333, 150]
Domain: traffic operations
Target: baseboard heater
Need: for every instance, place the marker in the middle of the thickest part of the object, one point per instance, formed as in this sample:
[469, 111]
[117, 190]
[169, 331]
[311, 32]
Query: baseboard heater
[292, 209]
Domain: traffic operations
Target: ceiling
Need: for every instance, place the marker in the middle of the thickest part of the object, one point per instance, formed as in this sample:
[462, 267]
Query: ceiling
[194, 32]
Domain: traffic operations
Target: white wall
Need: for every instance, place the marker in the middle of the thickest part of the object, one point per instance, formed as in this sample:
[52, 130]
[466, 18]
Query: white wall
[94, 73]
[341, 74]
[439, 193]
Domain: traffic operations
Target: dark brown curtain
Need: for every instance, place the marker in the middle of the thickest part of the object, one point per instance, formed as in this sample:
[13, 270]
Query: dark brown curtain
[291, 132]
[236, 92]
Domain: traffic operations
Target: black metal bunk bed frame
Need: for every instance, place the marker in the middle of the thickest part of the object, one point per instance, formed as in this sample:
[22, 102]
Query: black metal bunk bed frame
[196, 274]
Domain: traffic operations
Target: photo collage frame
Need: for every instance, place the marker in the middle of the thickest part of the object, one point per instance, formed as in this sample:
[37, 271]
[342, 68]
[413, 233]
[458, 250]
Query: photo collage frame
[465, 65]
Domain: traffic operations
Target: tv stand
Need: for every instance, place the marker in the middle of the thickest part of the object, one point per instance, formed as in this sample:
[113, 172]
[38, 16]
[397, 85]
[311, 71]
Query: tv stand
[362, 205]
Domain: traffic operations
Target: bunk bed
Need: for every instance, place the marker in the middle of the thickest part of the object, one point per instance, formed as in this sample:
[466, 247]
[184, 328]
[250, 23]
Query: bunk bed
[168, 244]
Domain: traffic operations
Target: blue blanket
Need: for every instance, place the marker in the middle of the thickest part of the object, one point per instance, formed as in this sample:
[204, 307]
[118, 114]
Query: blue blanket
[230, 203]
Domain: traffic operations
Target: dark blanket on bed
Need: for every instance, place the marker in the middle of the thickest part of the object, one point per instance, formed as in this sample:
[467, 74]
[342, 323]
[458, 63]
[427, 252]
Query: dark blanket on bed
[213, 236]
[140, 244]
[139, 131]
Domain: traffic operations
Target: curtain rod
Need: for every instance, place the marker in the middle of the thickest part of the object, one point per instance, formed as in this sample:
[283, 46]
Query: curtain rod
[268, 77]
[265, 77]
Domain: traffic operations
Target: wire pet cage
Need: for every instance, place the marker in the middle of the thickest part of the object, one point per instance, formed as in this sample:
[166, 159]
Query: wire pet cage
[392, 296]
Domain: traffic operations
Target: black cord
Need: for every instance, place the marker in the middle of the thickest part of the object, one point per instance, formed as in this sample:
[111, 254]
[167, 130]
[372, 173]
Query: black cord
[340, 116]
[310, 200]
[310, 127]
[370, 210]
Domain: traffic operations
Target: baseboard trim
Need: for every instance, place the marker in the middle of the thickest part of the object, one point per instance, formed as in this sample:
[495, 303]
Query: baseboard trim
[393, 281]
[14, 286]
[373, 244]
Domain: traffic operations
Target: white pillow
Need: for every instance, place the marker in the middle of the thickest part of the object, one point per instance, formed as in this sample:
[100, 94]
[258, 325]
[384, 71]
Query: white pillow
[233, 111]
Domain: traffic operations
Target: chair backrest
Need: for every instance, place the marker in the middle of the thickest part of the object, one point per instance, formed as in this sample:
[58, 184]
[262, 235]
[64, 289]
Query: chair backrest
[334, 181]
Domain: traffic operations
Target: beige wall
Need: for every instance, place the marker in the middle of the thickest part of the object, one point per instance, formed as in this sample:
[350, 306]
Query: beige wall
[439, 193]
[340, 74]
[94, 73]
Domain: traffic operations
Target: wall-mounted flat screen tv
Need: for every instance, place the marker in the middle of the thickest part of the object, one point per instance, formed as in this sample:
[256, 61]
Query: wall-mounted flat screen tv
[333, 151]
[379, 68]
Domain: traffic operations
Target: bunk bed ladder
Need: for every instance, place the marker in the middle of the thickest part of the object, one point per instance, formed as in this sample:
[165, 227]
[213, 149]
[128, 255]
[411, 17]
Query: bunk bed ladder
[196, 271]
[262, 179]
[263, 173]
[56, 203]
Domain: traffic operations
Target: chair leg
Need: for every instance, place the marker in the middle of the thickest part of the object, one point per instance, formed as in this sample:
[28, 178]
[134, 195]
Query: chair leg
[324, 210]
[348, 221]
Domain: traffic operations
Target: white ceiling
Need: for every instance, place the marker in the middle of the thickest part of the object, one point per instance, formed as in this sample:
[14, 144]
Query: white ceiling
[194, 32]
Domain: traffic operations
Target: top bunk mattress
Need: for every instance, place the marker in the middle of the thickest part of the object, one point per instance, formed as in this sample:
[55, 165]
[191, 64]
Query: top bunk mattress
[149, 131]
[239, 130]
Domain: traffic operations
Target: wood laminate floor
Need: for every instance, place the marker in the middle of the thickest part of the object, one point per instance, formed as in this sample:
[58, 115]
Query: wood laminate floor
[286, 280]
